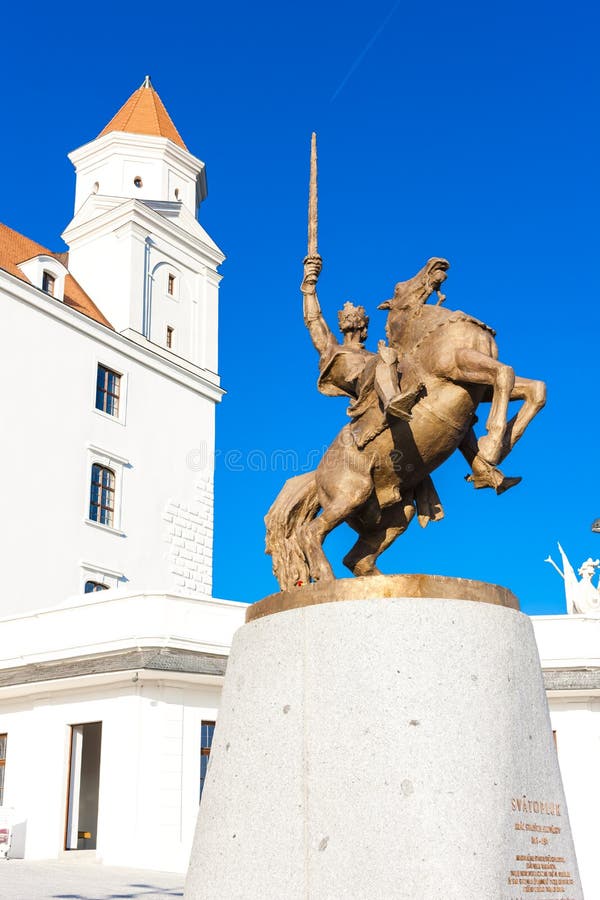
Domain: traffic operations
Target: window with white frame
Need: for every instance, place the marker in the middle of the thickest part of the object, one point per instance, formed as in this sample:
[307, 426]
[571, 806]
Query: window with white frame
[108, 390]
[96, 577]
[102, 495]
[103, 500]
[47, 274]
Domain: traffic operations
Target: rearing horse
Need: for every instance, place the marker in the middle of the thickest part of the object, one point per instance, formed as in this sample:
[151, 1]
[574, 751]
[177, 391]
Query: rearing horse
[377, 487]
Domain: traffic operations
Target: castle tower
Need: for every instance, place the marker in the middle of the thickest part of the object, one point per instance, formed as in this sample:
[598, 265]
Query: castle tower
[135, 243]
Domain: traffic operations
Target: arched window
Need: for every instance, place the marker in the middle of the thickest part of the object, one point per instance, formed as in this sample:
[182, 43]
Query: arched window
[92, 586]
[102, 495]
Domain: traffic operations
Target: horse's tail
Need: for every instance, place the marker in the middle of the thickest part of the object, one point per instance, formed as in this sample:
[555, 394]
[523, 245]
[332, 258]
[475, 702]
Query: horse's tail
[295, 506]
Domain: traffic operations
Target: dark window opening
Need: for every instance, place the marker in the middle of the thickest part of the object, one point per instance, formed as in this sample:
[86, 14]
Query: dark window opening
[84, 783]
[92, 586]
[171, 285]
[108, 390]
[48, 282]
[206, 738]
[138, 181]
[170, 336]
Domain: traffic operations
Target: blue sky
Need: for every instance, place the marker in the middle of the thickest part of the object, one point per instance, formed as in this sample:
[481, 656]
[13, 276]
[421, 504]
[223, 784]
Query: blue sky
[462, 130]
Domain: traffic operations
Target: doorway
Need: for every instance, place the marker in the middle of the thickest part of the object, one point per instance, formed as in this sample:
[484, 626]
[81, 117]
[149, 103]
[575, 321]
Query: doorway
[84, 783]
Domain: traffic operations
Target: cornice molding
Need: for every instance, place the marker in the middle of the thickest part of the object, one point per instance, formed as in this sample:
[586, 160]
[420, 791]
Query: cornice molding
[104, 147]
[138, 212]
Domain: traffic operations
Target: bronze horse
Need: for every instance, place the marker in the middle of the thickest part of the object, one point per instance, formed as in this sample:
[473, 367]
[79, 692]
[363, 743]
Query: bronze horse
[377, 488]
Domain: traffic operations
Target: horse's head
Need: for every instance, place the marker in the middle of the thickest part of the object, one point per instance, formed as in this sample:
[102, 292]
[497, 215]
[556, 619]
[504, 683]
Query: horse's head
[417, 290]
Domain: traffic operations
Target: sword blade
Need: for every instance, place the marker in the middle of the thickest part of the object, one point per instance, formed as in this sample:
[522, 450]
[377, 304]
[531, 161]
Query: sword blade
[313, 218]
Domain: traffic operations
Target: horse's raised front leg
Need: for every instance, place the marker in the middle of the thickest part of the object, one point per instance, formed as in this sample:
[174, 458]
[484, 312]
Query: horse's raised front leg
[362, 558]
[484, 475]
[474, 367]
[533, 393]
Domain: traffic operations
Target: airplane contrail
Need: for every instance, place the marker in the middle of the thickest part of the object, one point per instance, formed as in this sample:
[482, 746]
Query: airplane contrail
[365, 50]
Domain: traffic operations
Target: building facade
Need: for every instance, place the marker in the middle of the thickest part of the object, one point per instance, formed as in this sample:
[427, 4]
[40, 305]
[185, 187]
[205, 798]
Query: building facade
[107, 707]
[111, 376]
[111, 428]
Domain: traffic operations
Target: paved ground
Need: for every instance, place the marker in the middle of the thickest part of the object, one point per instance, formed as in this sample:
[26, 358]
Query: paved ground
[66, 880]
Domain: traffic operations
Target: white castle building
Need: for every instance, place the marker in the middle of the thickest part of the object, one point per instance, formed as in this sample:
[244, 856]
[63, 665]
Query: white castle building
[113, 653]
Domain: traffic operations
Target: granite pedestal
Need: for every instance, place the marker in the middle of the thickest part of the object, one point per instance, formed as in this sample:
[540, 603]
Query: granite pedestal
[392, 745]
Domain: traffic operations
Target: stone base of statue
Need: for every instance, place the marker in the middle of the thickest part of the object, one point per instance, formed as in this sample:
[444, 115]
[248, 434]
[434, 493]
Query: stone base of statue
[393, 745]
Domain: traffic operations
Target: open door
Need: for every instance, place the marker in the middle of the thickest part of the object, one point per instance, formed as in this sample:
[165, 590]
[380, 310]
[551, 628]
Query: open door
[84, 783]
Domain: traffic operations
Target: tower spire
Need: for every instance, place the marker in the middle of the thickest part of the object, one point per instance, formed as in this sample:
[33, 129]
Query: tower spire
[144, 113]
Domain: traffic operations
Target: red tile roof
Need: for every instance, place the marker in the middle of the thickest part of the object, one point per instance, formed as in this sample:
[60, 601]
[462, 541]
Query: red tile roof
[144, 113]
[15, 248]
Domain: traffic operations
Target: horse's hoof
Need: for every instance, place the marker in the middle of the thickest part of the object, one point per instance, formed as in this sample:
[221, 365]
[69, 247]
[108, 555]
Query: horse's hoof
[507, 483]
[365, 571]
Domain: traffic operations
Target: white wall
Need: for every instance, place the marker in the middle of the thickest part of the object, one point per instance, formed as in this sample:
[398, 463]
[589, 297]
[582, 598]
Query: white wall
[572, 644]
[149, 769]
[151, 723]
[109, 165]
[121, 253]
[164, 441]
[118, 620]
[577, 726]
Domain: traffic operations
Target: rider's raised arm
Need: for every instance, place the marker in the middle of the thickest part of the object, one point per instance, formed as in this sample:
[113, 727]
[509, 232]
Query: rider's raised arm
[319, 330]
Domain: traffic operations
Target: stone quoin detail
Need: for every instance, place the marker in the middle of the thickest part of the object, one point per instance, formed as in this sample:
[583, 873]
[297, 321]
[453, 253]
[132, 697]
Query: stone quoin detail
[189, 533]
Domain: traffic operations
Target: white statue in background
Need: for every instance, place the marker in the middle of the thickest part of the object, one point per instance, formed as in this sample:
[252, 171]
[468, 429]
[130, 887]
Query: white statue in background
[583, 597]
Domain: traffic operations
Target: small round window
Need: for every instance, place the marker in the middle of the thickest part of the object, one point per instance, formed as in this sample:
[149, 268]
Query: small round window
[138, 181]
[177, 193]
[95, 187]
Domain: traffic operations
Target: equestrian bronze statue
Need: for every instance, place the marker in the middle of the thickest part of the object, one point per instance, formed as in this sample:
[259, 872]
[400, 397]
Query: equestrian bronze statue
[412, 404]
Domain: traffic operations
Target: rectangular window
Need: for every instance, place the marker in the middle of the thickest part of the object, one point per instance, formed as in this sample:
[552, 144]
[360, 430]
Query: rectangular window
[171, 285]
[169, 336]
[48, 281]
[108, 389]
[3, 738]
[102, 495]
[207, 732]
